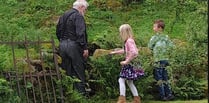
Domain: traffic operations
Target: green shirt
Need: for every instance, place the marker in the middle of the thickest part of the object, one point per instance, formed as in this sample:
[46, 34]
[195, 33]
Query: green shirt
[160, 45]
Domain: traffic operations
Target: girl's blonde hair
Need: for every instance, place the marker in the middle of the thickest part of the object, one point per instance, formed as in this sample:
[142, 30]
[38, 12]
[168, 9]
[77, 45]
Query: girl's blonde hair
[125, 32]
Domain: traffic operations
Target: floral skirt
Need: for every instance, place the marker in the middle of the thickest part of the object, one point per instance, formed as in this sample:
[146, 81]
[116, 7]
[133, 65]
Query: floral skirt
[131, 73]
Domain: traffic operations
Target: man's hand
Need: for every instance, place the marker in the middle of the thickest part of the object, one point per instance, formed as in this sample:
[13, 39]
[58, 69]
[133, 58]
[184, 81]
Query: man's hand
[85, 53]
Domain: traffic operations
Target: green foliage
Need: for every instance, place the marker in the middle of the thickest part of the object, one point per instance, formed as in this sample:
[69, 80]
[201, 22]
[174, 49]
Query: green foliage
[108, 74]
[189, 68]
[198, 32]
[6, 58]
[189, 88]
[7, 94]
[179, 101]
[71, 96]
[186, 20]
[107, 4]
[31, 17]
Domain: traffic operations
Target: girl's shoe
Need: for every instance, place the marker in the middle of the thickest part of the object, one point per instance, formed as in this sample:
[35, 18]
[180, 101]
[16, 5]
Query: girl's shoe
[137, 99]
[121, 99]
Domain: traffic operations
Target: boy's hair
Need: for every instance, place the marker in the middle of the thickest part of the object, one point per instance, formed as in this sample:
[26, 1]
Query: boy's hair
[160, 24]
[125, 32]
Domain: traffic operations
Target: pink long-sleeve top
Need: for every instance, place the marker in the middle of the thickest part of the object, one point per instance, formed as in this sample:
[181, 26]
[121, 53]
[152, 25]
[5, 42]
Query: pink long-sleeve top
[130, 49]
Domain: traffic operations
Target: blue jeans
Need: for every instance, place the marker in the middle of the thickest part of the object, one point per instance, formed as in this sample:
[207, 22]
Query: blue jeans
[161, 74]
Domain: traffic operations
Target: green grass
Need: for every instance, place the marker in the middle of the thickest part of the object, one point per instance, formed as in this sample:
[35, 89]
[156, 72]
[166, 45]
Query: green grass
[175, 101]
[38, 18]
[178, 101]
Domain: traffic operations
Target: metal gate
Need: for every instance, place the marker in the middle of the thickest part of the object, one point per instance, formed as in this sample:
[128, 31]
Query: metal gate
[35, 82]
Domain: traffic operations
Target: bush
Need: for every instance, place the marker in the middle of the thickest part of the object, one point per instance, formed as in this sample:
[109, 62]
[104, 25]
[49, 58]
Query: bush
[7, 95]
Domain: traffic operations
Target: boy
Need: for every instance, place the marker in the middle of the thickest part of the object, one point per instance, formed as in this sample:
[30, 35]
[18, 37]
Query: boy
[160, 44]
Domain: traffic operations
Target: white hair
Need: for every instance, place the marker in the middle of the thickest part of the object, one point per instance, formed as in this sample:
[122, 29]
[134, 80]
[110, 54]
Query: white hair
[79, 3]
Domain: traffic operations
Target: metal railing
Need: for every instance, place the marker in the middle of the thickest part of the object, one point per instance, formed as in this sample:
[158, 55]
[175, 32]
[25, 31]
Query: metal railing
[37, 84]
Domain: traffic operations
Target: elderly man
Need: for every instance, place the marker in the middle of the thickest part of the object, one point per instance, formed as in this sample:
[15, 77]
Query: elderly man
[73, 43]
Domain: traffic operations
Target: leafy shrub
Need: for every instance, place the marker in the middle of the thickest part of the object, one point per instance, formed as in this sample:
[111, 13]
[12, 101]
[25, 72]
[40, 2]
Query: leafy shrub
[71, 96]
[108, 72]
[189, 68]
[7, 95]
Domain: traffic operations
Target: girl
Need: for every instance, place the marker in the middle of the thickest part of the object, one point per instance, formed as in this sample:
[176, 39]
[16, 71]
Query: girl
[127, 73]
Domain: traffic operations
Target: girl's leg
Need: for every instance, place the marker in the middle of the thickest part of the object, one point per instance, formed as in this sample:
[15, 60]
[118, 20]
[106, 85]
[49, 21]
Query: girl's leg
[122, 86]
[132, 87]
[134, 91]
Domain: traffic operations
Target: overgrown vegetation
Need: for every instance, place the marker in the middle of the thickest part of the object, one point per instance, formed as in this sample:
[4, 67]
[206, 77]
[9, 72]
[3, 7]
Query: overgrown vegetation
[7, 93]
[186, 24]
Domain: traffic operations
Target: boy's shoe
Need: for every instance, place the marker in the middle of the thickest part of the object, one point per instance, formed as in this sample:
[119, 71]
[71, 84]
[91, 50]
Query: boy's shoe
[163, 99]
[170, 97]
